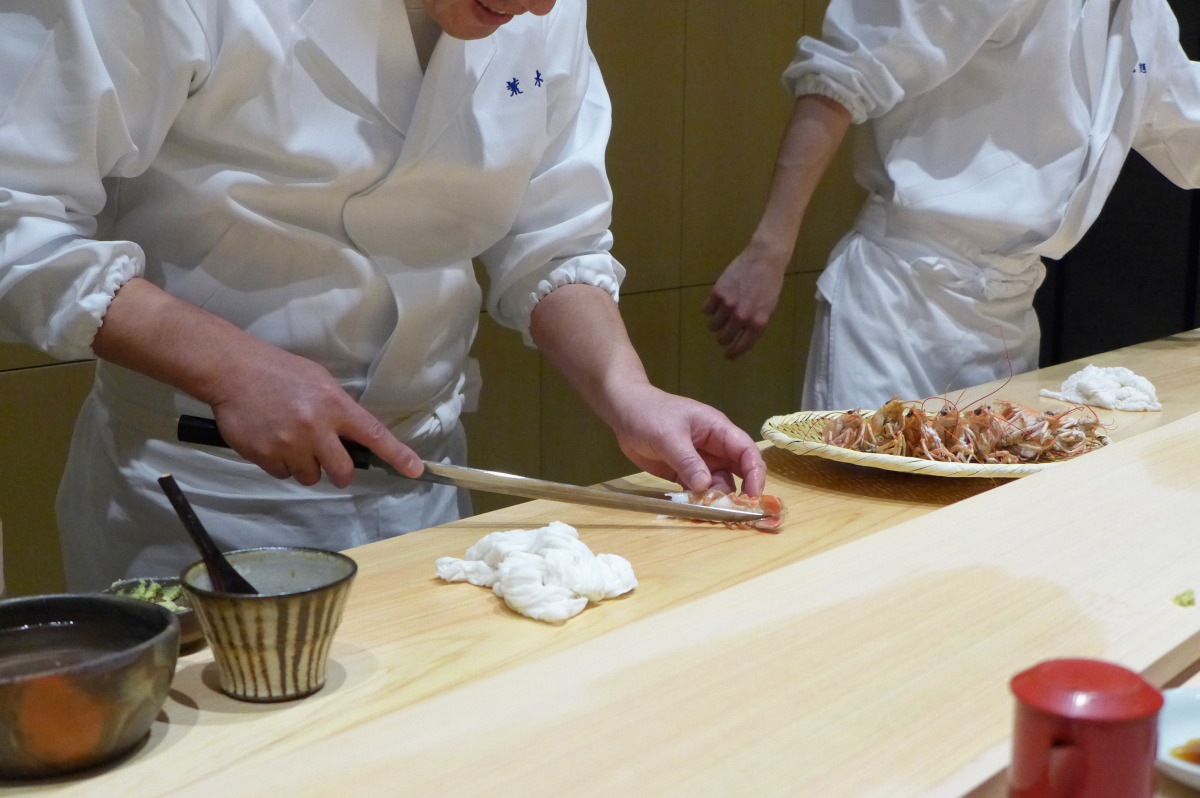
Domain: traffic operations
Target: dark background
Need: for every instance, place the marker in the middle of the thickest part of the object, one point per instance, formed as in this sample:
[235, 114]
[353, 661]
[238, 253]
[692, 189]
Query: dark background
[1134, 276]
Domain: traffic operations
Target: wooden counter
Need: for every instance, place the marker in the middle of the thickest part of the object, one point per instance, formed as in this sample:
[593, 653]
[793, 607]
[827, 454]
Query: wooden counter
[863, 651]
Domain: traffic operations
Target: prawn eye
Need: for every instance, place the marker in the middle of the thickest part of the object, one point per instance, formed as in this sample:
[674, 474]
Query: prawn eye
[978, 410]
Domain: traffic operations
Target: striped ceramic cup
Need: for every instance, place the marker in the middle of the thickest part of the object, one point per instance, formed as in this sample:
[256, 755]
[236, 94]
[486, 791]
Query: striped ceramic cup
[273, 645]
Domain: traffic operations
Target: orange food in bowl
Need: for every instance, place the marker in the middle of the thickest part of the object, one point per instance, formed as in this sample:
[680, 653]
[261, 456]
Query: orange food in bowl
[44, 704]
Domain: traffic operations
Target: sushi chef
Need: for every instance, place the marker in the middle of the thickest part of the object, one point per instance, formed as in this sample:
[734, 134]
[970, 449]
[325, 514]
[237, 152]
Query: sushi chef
[991, 133]
[266, 213]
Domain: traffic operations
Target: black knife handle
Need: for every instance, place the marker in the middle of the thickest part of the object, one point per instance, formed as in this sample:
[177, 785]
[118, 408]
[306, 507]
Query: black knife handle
[194, 429]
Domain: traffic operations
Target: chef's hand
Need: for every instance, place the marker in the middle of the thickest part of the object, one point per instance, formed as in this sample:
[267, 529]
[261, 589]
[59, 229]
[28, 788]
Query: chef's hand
[288, 415]
[744, 298]
[282, 412]
[688, 442]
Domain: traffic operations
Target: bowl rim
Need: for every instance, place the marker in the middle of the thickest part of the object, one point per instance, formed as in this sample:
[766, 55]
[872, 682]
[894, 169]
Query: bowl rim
[336, 555]
[133, 606]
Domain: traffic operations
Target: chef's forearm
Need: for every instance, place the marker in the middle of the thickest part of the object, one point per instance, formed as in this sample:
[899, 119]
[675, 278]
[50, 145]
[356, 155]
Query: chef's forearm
[812, 138]
[149, 331]
[578, 328]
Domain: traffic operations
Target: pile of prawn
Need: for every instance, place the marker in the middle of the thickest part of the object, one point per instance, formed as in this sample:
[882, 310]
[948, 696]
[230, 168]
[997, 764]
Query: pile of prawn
[995, 432]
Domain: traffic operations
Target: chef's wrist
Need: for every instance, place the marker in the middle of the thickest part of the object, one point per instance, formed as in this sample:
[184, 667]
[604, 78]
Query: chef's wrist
[772, 248]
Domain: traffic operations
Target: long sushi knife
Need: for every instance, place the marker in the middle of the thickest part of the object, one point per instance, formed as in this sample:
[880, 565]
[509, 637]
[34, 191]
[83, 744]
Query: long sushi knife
[194, 429]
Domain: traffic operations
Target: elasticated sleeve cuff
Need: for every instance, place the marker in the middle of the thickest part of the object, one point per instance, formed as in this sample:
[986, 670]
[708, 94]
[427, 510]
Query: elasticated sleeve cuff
[599, 269]
[814, 83]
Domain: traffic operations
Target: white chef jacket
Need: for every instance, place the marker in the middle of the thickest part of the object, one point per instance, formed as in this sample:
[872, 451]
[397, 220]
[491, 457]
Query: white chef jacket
[286, 165]
[994, 132]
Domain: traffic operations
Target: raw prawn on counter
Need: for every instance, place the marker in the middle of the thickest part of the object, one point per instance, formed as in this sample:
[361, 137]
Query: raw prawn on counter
[997, 431]
[771, 506]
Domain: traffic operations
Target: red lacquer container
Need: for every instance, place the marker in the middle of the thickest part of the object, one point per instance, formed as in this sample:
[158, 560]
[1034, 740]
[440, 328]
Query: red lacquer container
[1084, 728]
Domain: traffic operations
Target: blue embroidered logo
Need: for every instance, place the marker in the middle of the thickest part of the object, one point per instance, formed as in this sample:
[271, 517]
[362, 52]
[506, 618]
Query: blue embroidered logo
[1140, 68]
[514, 85]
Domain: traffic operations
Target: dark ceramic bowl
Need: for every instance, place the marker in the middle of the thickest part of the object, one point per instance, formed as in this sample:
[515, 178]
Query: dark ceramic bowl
[190, 632]
[82, 677]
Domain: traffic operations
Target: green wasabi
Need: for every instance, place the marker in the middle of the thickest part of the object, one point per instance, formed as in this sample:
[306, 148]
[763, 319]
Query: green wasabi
[170, 596]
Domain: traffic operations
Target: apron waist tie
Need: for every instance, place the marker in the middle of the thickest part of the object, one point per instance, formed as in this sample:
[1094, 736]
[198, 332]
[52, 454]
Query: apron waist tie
[943, 254]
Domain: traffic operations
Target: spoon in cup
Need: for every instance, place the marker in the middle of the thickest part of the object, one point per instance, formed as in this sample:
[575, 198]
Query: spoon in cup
[224, 577]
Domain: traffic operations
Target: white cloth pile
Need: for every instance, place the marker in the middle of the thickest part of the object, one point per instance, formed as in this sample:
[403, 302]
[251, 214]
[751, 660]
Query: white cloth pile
[548, 574]
[1113, 387]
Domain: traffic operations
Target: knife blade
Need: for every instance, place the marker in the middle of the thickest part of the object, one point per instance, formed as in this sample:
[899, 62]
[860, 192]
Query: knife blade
[204, 431]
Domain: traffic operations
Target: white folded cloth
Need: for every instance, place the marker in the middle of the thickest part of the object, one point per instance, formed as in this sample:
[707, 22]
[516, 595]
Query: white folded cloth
[548, 574]
[1112, 387]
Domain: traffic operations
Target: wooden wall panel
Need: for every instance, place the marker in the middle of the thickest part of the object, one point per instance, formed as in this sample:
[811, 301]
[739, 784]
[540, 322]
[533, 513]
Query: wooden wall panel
[814, 14]
[640, 49]
[17, 356]
[504, 434]
[736, 109]
[38, 408]
[653, 320]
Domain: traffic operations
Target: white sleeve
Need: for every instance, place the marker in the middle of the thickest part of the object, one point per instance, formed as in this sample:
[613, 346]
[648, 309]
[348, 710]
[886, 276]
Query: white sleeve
[87, 92]
[561, 232]
[874, 53]
[1170, 137]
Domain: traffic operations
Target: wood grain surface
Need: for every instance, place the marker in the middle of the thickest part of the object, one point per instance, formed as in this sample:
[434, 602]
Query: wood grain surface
[864, 650]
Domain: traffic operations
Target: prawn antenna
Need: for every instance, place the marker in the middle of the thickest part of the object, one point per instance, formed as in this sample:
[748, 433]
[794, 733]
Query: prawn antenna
[1003, 385]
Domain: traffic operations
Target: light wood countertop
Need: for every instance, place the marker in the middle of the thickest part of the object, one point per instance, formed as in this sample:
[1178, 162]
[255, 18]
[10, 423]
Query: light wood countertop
[865, 650]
